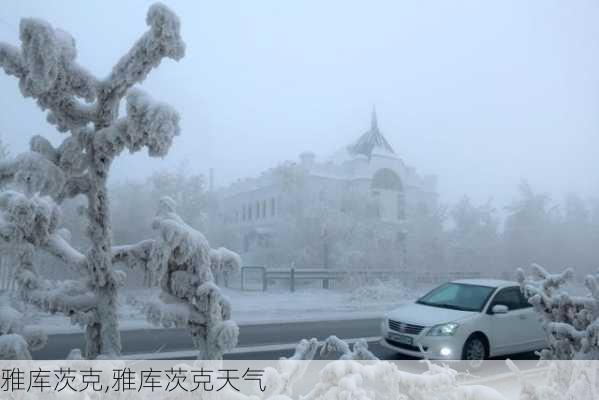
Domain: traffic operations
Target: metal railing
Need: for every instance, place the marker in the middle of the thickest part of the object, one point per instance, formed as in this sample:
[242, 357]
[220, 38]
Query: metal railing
[328, 276]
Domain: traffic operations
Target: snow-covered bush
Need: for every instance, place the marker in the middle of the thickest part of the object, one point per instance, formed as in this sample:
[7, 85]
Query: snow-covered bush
[189, 297]
[223, 263]
[87, 108]
[571, 322]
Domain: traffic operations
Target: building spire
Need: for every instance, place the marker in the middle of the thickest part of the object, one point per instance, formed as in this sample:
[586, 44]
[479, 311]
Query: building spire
[374, 126]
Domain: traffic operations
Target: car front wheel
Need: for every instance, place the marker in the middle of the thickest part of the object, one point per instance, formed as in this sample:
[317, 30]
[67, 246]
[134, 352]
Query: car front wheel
[475, 351]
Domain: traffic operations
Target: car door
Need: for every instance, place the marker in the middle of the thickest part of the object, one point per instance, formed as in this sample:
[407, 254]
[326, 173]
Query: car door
[508, 333]
[534, 334]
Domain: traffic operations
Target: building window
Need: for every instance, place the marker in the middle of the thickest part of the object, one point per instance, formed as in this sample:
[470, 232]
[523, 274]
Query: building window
[257, 210]
[243, 213]
[249, 212]
[272, 207]
[263, 208]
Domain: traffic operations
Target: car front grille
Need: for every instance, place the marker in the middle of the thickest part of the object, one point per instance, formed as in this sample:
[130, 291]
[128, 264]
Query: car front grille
[402, 327]
[405, 346]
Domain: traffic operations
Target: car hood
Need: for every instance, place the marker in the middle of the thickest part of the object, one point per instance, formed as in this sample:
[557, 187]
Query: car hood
[419, 314]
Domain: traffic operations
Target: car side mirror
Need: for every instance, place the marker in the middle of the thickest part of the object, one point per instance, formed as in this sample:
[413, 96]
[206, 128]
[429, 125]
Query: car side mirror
[499, 309]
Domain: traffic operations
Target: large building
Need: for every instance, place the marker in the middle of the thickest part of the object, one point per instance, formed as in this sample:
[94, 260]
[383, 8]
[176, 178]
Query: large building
[369, 167]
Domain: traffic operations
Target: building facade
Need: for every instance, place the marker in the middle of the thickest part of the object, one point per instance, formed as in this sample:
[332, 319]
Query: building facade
[369, 169]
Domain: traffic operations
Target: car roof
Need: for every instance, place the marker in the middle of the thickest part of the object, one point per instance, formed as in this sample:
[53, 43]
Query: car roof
[496, 283]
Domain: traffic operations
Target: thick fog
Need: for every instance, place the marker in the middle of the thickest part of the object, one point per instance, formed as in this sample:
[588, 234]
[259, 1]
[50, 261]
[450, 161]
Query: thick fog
[481, 94]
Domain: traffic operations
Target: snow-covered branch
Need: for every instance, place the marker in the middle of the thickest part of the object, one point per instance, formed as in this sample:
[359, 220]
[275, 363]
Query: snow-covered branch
[571, 322]
[134, 256]
[46, 69]
[148, 123]
[60, 248]
[162, 40]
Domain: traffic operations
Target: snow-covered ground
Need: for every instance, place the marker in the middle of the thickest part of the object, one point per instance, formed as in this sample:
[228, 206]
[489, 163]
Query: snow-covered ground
[274, 305]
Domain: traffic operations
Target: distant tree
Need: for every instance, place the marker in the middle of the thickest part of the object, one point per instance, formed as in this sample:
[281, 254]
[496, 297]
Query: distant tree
[574, 237]
[426, 238]
[474, 242]
[4, 150]
[529, 227]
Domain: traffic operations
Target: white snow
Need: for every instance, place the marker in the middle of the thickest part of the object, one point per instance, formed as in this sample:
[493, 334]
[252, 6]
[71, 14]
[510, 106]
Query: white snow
[257, 307]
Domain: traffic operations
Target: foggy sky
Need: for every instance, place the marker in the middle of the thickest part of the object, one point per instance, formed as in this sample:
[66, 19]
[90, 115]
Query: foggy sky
[481, 94]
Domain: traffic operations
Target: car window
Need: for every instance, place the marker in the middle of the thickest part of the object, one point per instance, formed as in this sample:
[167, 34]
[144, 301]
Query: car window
[524, 301]
[458, 296]
[510, 297]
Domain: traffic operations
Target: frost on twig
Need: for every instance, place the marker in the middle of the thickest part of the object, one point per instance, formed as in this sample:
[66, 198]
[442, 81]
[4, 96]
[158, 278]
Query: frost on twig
[571, 323]
[279, 381]
[88, 109]
[359, 351]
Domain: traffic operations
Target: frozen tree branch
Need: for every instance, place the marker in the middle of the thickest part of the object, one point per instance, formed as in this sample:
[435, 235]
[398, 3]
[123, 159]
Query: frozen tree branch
[60, 248]
[162, 40]
[571, 323]
[47, 71]
[134, 256]
[148, 123]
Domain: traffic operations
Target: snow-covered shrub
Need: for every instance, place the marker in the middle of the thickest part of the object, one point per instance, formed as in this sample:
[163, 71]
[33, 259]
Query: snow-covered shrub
[189, 297]
[223, 263]
[350, 379]
[87, 108]
[570, 322]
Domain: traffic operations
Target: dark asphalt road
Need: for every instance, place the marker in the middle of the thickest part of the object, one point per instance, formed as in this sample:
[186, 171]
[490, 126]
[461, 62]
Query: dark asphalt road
[166, 340]
[155, 340]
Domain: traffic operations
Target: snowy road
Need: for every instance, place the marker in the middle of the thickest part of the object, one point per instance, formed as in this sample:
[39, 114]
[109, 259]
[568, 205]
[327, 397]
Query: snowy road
[263, 341]
[169, 340]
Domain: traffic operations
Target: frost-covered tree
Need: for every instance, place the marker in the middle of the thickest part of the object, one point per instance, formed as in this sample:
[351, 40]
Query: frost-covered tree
[426, 239]
[570, 322]
[189, 297]
[529, 227]
[473, 241]
[86, 109]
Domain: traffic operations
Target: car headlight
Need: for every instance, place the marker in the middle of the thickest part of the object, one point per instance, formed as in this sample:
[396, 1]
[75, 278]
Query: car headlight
[448, 329]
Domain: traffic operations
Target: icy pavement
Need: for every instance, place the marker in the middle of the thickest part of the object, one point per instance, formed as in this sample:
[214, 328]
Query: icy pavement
[257, 307]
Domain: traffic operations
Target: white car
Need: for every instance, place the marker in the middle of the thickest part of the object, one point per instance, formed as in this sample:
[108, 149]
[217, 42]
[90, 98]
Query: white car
[469, 319]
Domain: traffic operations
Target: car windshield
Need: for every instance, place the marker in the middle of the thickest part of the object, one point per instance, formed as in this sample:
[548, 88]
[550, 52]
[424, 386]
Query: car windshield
[458, 296]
